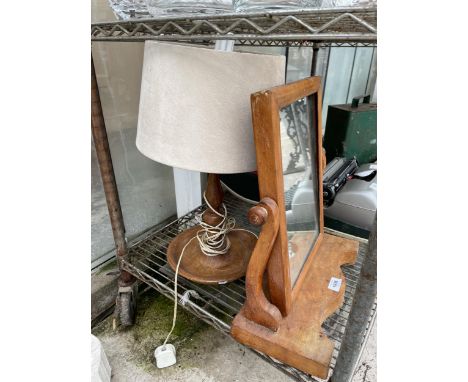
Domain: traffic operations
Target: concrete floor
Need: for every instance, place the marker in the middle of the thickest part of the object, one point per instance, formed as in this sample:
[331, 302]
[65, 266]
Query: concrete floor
[203, 353]
[367, 368]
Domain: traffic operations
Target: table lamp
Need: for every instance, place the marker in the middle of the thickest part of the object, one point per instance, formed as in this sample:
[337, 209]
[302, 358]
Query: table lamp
[195, 114]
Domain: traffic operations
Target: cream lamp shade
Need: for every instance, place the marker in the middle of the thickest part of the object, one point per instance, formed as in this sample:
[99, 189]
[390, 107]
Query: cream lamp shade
[195, 106]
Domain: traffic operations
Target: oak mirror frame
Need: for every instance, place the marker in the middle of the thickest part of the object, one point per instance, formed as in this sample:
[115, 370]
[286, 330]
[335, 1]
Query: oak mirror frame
[293, 251]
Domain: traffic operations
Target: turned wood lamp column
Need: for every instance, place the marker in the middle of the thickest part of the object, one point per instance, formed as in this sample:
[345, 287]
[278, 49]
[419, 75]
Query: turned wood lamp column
[218, 269]
[195, 114]
[214, 194]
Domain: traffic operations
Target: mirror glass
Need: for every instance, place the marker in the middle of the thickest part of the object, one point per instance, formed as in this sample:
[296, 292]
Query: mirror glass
[300, 175]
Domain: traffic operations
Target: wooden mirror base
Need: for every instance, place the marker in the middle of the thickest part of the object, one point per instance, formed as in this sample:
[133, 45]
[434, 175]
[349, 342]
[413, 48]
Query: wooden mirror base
[198, 267]
[299, 340]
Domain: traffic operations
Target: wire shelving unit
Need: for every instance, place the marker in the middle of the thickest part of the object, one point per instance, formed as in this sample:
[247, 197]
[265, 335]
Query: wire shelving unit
[217, 305]
[337, 27]
[145, 257]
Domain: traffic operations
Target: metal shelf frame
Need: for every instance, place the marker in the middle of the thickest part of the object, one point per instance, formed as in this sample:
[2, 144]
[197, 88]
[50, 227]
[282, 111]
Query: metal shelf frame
[144, 258]
[339, 26]
[218, 305]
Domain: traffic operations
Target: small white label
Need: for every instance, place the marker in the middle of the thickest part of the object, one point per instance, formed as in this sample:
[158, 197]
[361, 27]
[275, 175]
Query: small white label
[334, 284]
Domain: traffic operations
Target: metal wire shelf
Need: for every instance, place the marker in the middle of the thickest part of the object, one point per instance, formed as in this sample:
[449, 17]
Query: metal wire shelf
[217, 305]
[350, 26]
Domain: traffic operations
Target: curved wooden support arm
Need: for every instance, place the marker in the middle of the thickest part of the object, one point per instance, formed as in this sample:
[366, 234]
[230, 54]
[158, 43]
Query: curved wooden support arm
[257, 308]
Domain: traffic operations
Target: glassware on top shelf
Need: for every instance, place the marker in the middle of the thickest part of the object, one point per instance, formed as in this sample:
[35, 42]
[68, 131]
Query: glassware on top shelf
[260, 5]
[158, 8]
[126, 9]
[338, 3]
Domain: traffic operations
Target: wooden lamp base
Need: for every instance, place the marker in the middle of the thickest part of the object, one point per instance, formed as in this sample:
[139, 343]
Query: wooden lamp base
[198, 267]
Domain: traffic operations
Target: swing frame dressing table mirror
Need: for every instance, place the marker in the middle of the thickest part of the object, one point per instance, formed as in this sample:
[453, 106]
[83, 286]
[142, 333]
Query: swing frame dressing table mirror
[294, 279]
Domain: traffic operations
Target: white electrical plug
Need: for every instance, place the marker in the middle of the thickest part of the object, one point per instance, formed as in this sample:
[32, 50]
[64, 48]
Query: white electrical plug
[165, 356]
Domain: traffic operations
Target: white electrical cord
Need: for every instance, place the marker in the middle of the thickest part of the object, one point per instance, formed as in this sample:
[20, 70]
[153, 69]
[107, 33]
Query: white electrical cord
[213, 241]
[174, 317]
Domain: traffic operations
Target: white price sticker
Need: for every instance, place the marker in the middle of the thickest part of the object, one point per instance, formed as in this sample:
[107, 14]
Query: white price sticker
[334, 284]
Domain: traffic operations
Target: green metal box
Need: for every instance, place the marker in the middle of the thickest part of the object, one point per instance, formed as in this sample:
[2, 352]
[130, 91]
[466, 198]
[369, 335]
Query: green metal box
[351, 131]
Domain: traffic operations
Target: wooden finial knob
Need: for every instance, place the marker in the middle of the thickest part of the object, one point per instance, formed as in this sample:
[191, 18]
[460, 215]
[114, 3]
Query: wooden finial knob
[257, 215]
